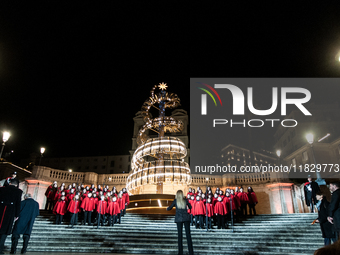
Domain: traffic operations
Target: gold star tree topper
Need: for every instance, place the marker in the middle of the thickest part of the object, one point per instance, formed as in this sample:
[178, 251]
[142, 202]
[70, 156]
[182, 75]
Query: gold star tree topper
[162, 86]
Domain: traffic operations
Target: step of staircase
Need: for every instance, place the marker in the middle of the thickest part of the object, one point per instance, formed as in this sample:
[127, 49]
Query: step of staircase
[157, 234]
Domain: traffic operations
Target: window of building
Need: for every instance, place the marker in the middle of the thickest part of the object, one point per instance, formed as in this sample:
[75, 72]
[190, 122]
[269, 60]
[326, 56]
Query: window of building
[305, 156]
[104, 159]
[94, 167]
[79, 160]
[111, 171]
[121, 159]
[95, 160]
[120, 166]
[112, 163]
[103, 167]
[87, 168]
[294, 162]
[79, 168]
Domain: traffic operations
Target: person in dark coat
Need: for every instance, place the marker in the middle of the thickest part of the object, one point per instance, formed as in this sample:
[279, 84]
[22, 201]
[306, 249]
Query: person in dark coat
[334, 208]
[325, 225]
[310, 189]
[182, 217]
[10, 202]
[29, 211]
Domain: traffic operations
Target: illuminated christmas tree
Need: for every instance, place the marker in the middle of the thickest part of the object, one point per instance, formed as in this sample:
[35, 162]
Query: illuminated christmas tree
[159, 161]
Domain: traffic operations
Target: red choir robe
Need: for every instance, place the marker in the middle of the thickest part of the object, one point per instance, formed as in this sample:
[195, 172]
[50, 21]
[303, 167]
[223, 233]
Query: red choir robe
[57, 196]
[243, 197]
[113, 208]
[88, 204]
[47, 192]
[191, 202]
[219, 208]
[127, 198]
[51, 194]
[210, 209]
[121, 203]
[60, 207]
[96, 200]
[226, 202]
[199, 208]
[236, 200]
[74, 206]
[83, 196]
[214, 201]
[102, 207]
[69, 197]
[252, 199]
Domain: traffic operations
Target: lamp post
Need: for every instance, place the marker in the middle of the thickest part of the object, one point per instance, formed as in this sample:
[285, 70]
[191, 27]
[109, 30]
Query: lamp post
[5, 137]
[310, 140]
[42, 150]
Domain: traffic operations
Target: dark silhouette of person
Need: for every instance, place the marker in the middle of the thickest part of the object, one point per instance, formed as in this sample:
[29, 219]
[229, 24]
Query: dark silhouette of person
[10, 202]
[29, 211]
[310, 189]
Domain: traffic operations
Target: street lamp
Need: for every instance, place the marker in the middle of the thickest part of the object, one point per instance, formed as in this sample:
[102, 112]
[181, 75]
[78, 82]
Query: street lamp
[310, 140]
[5, 137]
[278, 153]
[42, 150]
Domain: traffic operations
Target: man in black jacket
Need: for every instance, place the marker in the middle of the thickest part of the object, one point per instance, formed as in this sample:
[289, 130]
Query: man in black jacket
[334, 208]
[310, 189]
[10, 202]
[29, 211]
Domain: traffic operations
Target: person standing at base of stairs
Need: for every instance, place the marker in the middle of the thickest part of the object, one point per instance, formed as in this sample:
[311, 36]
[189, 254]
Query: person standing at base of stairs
[310, 189]
[334, 208]
[28, 212]
[182, 217]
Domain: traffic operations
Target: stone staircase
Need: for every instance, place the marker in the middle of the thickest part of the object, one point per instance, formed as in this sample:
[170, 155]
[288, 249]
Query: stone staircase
[282, 234]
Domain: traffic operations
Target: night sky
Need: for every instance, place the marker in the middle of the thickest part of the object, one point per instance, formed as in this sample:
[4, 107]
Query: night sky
[73, 75]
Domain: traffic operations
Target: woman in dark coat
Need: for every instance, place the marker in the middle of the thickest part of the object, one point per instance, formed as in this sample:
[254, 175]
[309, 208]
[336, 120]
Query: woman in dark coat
[182, 216]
